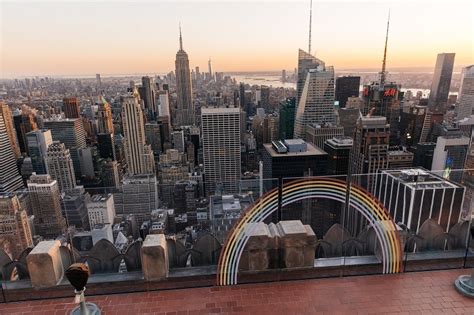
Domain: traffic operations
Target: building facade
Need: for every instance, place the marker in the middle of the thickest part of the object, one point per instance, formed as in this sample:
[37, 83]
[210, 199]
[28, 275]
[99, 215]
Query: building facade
[59, 165]
[221, 147]
[438, 101]
[185, 105]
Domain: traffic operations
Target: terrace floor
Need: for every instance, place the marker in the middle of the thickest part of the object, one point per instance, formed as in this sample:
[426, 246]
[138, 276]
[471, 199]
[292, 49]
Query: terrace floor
[430, 292]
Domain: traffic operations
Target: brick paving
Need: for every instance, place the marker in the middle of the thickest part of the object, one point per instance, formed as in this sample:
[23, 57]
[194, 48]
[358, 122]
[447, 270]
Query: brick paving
[409, 293]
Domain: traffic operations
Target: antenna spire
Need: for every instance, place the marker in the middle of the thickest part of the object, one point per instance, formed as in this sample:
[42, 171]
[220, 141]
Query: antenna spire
[383, 73]
[180, 38]
[310, 23]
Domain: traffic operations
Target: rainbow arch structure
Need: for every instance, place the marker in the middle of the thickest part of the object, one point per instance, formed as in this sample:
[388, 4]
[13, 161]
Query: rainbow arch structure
[319, 187]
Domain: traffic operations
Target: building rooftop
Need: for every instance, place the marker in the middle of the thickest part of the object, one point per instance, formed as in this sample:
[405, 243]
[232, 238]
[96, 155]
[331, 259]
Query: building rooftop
[430, 292]
[311, 150]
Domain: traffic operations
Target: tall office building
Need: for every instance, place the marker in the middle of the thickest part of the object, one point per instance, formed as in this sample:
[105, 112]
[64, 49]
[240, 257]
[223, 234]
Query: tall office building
[38, 142]
[306, 61]
[101, 210]
[438, 101]
[338, 150]
[110, 174]
[106, 146]
[15, 232]
[348, 120]
[71, 133]
[317, 134]
[370, 150]
[465, 108]
[10, 179]
[98, 82]
[293, 158]
[46, 206]
[104, 116]
[450, 153]
[185, 110]
[24, 121]
[137, 152]
[163, 104]
[71, 107]
[10, 128]
[413, 196]
[316, 102]
[138, 196]
[148, 97]
[346, 86]
[60, 167]
[368, 155]
[287, 118]
[221, 147]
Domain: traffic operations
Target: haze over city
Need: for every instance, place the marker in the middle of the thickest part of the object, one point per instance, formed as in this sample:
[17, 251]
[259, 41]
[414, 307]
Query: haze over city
[109, 37]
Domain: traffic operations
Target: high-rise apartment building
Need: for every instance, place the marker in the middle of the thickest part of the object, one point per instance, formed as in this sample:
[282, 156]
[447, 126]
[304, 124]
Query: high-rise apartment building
[185, 105]
[221, 147]
[71, 133]
[316, 102]
[465, 108]
[10, 179]
[15, 232]
[10, 128]
[346, 86]
[441, 83]
[38, 142]
[138, 154]
[71, 107]
[46, 206]
[59, 166]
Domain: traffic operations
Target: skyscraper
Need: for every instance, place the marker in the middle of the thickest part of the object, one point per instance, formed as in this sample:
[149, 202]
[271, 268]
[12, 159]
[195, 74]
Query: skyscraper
[104, 116]
[8, 120]
[221, 147]
[60, 167]
[15, 233]
[316, 102]
[449, 154]
[24, 121]
[441, 83]
[370, 149]
[71, 107]
[149, 98]
[138, 155]
[346, 87]
[185, 110]
[305, 62]
[46, 206]
[287, 118]
[465, 108]
[10, 179]
[71, 133]
[38, 142]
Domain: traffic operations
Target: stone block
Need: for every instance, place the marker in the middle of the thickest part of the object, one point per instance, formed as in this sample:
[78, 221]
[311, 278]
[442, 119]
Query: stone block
[255, 255]
[45, 265]
[154, 256]
[292, 233]
[297, 244]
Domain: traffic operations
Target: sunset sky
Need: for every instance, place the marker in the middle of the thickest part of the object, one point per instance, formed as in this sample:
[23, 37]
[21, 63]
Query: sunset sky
[118, 37]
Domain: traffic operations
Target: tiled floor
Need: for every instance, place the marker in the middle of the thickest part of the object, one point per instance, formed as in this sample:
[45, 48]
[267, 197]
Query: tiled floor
[409, 293]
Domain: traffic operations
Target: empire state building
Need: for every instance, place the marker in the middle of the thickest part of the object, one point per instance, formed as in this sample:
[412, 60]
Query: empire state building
[185, 106]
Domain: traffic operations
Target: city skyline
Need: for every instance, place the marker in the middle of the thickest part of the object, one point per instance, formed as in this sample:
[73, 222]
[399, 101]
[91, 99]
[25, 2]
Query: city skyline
[94, 38]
